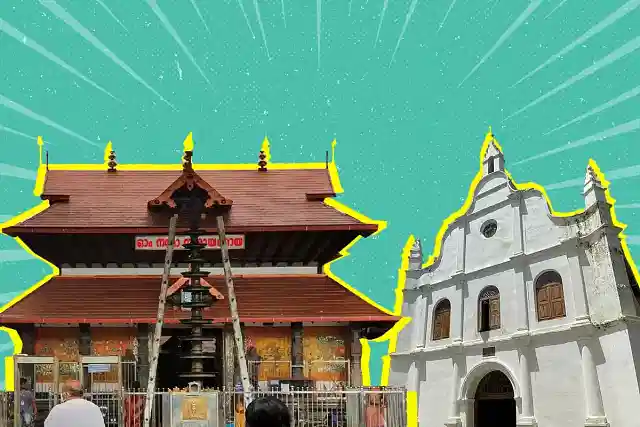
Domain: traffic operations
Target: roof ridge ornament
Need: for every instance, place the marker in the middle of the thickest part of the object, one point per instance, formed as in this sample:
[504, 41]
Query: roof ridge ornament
[265, 155]
[110, 158]
[189, 180]
[187, 159]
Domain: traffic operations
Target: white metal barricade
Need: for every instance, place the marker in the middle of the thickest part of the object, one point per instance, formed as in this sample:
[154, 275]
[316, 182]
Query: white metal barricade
[105, 373]
[46, 364]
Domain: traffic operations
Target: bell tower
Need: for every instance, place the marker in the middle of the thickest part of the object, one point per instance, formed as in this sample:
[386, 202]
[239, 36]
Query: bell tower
[493, 160]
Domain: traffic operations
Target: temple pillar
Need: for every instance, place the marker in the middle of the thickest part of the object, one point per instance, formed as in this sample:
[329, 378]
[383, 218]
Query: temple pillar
[228, 367]
[84, 349]
[143, 353]
[297, 355]
[229, 360]
[355, 374]
[595, 415]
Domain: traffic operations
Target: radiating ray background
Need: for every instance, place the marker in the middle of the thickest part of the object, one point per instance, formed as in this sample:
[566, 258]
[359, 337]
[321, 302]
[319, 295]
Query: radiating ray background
[407, 87]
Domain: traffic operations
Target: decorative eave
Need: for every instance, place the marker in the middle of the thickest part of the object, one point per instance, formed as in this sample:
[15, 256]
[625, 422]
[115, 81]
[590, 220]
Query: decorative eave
[189, 179]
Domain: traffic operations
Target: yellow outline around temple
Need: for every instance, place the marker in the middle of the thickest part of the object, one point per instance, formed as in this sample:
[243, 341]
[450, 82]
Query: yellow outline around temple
[188, 144]
[392, 337]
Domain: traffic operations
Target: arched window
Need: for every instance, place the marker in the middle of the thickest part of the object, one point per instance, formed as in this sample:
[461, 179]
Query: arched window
[489, 308]
[442, 320]
[550, 296]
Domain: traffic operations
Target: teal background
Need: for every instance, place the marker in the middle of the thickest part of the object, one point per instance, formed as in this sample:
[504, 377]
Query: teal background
[408, 133]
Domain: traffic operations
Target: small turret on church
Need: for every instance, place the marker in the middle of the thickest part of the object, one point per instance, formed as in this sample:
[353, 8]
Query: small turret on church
[493, 160]
[414, 270]
[594, 191]
[415, 256]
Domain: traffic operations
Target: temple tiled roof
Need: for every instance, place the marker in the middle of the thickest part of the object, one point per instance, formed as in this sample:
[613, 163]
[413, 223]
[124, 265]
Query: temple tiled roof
[134, 299]
[276, 200]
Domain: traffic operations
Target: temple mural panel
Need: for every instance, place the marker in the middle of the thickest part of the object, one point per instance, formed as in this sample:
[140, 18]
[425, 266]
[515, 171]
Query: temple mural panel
[63, 344]
[326, 353]
[268, 352]
[113, 342]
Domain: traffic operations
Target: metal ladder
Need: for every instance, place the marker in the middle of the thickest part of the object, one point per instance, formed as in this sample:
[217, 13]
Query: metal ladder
[233, 307]
[162, 301]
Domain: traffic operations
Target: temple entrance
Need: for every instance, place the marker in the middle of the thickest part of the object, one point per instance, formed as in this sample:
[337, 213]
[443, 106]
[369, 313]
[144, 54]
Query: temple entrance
[171, 364]
[495, 405]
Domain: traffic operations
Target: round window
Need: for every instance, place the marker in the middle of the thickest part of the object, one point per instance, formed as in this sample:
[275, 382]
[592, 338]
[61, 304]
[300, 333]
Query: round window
[489, 228]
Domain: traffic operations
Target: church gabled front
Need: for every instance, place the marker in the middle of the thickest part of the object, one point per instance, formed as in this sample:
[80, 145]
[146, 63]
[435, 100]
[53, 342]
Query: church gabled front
[526, 317]
[103, 231]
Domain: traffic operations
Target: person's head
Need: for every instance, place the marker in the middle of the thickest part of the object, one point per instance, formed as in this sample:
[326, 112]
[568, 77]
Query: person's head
[23, 383]
[136, 385]
[267, 411]
[72, 389]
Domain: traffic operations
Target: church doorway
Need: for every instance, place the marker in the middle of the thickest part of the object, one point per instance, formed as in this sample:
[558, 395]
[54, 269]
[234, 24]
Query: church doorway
[495, 405]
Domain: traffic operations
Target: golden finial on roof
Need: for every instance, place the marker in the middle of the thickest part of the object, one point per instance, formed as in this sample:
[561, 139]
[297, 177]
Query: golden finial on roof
[110, 157]
[40, 144]
[264, 156]
[188, 152]
[188, 142]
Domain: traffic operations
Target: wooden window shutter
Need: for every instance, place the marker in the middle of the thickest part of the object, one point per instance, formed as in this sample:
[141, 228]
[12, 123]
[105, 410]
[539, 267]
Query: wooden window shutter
[437, 327]
[544, 303]
[446, 324]
[494, 313]
[557, 300]
[550, 296]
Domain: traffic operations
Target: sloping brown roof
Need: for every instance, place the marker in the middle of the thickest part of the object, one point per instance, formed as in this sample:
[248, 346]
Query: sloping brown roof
[134, 299]
[275, 200]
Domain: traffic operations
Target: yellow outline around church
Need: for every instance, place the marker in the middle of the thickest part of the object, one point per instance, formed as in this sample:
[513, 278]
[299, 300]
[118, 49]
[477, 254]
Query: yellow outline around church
[392, 335]
[188, 143]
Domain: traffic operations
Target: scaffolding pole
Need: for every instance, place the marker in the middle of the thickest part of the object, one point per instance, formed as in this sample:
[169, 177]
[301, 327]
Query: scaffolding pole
[233, 307]
[162, 301]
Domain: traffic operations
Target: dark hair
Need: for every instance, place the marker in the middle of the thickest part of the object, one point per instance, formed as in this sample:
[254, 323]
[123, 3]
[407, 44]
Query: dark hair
[136, 385]
[23, 382]
[267, 411]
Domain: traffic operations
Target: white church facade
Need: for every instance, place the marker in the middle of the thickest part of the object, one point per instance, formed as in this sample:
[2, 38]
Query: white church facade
[524, 318]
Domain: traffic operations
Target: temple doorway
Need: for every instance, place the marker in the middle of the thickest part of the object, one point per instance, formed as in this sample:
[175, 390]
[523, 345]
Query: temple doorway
[171, 363]
[495, 405]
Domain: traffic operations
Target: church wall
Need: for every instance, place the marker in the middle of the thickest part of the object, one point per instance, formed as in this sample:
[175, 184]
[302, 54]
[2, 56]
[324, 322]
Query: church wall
[401, 372]
[634, 338]
[540, 230]
[491, 191]
[482, 252]
[411, 308]
[435, 388]
[447, 262]
[618, 378]
[557, 384]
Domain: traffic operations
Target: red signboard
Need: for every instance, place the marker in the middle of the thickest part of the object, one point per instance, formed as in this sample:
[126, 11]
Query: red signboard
[159, 243]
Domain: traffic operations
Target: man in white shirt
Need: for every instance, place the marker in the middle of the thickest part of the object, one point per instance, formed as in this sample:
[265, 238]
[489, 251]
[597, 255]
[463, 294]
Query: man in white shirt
[75, 411]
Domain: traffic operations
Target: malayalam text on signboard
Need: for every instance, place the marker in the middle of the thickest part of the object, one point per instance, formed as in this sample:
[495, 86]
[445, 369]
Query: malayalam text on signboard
[159, 243]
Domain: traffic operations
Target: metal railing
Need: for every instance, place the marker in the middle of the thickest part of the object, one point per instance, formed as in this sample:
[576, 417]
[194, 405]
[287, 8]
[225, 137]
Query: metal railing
[352, 407]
